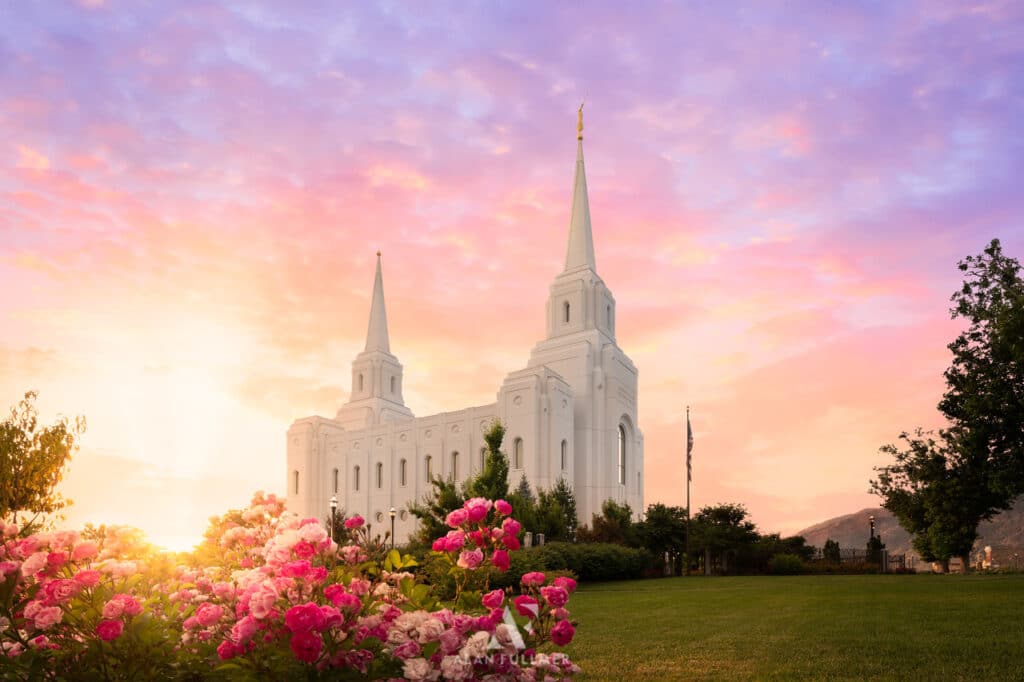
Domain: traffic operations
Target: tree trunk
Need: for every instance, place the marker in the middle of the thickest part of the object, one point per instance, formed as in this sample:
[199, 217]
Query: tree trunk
[966, 559]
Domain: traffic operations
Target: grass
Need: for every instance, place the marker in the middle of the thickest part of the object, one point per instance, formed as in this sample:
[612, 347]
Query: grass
[920, 627]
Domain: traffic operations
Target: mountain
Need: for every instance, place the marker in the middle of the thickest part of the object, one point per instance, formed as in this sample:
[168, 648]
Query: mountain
[853, 530]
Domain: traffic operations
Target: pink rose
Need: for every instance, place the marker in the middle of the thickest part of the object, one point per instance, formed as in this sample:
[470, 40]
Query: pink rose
[47, 617]
[307, 646]
[88, 578]
[109, 630]
[244, 629]
[493, 599]
[560, 613]
[568, 584]
[554, 595]
[358, 586]
[304, 618]
[562, 633]
[113, 608]
[511, 541]
[477, 508]
[332, 617]
[130, 606]
[511, 526]
[56, 559]
[454, 541]
[317, 574]
[262, 600]
[354, 522]
[226, 650]
[533, 579]
[295, 569]
[33, 564]
[457, 518]
[500, 560]
[503, 507]
[208, 614]
[191, 623]
[526, 606]
[440, 545]
[61, 590]
[8, 567]
[408, 649]
[303, 549]
[84, 550]
[470, 560]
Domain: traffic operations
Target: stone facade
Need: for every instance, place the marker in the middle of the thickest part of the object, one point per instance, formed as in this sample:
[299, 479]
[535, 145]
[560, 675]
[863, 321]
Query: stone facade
[571, 413]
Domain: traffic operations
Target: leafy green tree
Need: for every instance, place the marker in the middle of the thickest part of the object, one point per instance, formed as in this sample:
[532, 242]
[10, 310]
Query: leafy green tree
[831, 551]
[33, 460]
[942, 484]
[984, 398]
[662, 531]
[723, 531]
[564, 497]
[613, 525]
[492, 482]
[874, 549]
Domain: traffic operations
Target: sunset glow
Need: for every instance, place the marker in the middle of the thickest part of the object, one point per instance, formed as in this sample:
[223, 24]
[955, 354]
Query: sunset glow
[192, 194]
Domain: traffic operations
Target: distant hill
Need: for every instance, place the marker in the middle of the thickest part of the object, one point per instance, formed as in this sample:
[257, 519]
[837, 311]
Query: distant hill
[852, 530]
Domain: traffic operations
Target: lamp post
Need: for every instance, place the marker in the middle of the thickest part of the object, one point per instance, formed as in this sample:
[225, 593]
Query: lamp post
[872, 520]
[392, 514]
[334, 517]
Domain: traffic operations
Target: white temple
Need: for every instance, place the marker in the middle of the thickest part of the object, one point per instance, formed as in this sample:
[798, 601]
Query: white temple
[570, 413]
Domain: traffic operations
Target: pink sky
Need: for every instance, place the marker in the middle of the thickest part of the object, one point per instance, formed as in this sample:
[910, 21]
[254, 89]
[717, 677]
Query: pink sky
[191, 197]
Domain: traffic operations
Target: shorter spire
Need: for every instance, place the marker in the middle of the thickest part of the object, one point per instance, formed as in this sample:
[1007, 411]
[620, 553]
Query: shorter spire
[377, 332]
[581, 239]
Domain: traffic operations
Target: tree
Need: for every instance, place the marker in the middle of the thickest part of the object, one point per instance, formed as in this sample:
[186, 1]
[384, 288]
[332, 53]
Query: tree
[943, 484]
[492, 482]
[722, 532]
[663, 531]
[984, 399]
[830, 551]
[874, 549]
[613, 525]
[33, 460]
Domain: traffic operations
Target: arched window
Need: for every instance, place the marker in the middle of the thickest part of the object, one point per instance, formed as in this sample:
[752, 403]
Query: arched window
[565, 453]
[360, 382]
[401, 472]
[335, 479]
[622, 455]
[380, 475]
[483, 458]
[517, 454]
[355, 477]
[565, 312]
[295, 481]
[608, 316]
[429, 462]
[455, 466]
[393, 384]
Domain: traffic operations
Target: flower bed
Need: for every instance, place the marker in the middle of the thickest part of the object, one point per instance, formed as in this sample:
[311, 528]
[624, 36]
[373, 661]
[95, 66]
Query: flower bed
[270, 595]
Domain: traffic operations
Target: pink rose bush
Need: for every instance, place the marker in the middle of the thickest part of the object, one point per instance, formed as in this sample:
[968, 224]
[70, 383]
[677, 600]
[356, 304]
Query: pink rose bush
[273, 595]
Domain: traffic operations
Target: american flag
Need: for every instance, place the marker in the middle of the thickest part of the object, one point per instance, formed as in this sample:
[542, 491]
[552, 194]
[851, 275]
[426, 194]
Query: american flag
[689, 447]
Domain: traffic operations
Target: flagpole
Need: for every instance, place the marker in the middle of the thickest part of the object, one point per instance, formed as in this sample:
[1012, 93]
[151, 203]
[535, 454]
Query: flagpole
[689, 447]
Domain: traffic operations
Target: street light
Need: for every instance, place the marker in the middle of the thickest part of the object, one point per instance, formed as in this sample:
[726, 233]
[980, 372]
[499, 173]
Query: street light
[872, 520]
[334, 517]
[392, 514]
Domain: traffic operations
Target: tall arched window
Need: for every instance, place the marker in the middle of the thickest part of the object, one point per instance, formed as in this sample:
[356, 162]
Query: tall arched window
[622, 455]
[455, 466]
[565, 312]
[608, 316]
[335, 479]
[355, 477]
[295, 481]
[565, 453]
[483, 458]
[393, 384]
[360, 382]
[429, 466]
[401, 472]
[380, 475]
[517, 454]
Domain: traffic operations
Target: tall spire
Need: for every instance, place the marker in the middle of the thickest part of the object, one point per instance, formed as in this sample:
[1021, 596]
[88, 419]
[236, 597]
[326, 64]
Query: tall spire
[377, 332]
[581, 241]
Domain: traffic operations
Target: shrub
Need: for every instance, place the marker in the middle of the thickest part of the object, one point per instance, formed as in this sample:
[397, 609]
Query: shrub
[785, 564]
[596, 561]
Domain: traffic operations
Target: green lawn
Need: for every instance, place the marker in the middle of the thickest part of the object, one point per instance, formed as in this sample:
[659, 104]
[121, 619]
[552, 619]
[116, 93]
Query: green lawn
[913, 627]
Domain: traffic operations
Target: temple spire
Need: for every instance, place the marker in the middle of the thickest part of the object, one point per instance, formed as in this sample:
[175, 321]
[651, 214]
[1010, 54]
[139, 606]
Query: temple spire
[581, 241]
[377, 332]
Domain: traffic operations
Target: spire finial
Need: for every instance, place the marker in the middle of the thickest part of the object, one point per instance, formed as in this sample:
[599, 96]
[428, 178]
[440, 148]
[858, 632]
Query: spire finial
[579, 120]
[378, 253]
[377, 331]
